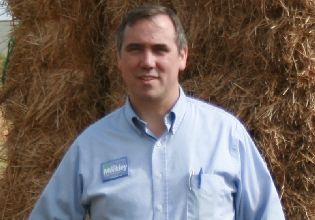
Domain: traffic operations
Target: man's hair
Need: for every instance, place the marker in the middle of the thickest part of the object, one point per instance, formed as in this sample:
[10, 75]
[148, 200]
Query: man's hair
[146, 12]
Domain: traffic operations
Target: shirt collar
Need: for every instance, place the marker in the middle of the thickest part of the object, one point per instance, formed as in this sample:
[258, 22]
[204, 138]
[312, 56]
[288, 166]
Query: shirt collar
[132, 118]
[178, 111]
[172, 119]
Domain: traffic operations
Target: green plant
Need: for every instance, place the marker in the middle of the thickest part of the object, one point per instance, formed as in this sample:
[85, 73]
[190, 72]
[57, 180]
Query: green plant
[2, 59]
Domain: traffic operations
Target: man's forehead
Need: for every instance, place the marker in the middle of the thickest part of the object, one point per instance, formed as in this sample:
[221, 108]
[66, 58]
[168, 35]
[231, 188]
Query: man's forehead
[157, 30]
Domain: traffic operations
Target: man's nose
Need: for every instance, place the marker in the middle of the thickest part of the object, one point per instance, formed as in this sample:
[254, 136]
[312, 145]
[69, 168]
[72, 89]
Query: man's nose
[148, 59]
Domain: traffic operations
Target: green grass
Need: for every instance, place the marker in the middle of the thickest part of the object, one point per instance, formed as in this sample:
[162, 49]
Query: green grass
[1, 62]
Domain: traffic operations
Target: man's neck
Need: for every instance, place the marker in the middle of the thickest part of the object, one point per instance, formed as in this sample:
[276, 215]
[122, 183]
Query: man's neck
[153, 112]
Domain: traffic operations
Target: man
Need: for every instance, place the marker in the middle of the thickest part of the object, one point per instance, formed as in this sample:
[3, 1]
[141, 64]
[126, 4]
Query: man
[162, 155]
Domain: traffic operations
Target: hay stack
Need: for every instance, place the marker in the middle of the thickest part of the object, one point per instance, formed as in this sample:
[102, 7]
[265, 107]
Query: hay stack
[259, 63]
[52, 91]
[255, 58]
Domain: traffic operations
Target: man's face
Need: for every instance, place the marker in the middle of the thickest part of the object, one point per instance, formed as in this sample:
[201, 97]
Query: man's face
[149, 60]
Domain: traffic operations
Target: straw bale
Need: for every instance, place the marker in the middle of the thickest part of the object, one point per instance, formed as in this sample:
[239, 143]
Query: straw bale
[258, 62]
[28, 10]
[49, 96]
[254, 58]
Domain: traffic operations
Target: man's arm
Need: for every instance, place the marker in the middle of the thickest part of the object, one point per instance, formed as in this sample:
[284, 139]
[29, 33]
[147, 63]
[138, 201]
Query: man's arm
[61, 198]
[257, 197]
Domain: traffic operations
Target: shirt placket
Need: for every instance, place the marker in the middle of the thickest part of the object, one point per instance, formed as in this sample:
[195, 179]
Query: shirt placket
[159, 180]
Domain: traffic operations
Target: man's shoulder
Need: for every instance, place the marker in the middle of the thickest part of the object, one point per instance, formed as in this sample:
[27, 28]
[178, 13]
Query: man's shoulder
[206, 108]
[108, 121]
[216, 117]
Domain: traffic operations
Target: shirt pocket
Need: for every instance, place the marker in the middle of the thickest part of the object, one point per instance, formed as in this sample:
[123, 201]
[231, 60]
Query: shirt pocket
[209, 198]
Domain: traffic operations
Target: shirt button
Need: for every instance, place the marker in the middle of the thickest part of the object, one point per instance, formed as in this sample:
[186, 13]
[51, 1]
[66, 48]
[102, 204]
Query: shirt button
[159, 175]
[158, 144]
[159, 208]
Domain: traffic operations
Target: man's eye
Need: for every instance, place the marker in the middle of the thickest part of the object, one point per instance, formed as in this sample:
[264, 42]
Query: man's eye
[160, 50]
[134, 48]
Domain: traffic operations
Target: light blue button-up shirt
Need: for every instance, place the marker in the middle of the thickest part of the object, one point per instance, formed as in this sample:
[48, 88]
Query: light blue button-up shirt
[205, 166]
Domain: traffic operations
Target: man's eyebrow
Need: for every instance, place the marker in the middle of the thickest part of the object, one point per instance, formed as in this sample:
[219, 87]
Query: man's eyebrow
[156, 47]
[134, 46]
[160, 46]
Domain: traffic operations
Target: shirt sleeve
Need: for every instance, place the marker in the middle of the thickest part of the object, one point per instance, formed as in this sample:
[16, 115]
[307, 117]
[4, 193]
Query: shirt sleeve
[257, 197]
[61, 198]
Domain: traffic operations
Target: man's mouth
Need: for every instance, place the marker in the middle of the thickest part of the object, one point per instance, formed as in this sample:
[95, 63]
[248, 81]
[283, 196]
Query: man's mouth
[147, 77]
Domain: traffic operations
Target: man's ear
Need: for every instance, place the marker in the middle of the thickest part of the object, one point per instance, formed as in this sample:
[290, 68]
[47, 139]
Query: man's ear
[183, 54]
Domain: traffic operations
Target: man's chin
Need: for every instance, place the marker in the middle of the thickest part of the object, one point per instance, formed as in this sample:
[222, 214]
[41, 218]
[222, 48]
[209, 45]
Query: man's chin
[149, 95]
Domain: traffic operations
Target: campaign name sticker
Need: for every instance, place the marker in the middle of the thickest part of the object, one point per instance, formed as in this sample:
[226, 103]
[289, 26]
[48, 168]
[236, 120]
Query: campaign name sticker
[114, 169]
